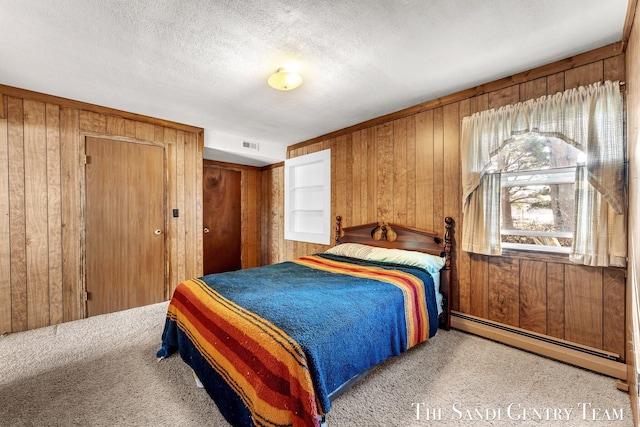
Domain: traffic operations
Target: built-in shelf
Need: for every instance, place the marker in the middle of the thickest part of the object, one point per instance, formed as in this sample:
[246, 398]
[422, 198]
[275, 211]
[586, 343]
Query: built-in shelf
[309, 188]
[307, 198]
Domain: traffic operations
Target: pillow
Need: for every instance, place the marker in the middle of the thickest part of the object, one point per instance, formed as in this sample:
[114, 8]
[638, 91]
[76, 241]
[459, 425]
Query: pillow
[433, 264]
[352, 250]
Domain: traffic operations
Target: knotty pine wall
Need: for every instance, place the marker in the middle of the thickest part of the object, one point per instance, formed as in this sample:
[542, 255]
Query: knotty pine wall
[41, 204]
[405, 168]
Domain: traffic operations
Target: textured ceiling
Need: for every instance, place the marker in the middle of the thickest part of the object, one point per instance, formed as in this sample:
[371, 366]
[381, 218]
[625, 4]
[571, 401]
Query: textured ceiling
[205, 63]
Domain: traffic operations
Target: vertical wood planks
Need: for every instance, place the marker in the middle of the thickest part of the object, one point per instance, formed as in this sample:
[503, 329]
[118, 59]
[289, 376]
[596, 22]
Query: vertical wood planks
[192, 235]
[584, 75]
[400, 171]
[158, 135]
[613, 316]
[278, 230]
[54, 214]
[356, 168]
[71, 219]
[170, 138]
[330, 144]
[278, 211]
[339, 187]
[533, 89]
[115, 126]
[129, 128]
[364, 162]
[411, 171]
[555, 83]
[583, 305]
[452, 202]
[17, 213]
[463, 261]
[146, 131]
[92, 122]
[181, 267]
[502, 97]
[5, 248]
[265, 223]
[35, 187]
[372, 168]
[265, 205]
[555, 300]
[437, 216]
[350, 193]
[451, 187]
[504, 290]
[479, 285]
[384, 172]
[613, 68]
[198, 141]
[424, 170]
[533, 295]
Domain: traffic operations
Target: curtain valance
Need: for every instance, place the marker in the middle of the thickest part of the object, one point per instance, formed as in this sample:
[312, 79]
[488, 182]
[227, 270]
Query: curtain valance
[588, 117]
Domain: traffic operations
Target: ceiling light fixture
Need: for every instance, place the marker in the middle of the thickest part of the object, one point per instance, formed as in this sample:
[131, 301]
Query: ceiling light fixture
[284, 79]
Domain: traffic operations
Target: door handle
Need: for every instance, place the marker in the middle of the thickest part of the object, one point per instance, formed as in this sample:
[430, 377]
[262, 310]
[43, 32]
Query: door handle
[206, 230]
[157, 232]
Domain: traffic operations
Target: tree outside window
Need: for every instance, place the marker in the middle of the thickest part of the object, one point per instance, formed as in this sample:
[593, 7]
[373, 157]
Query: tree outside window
[537, 194]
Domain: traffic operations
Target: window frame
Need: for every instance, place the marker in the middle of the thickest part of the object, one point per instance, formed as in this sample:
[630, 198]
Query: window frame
[560, 171]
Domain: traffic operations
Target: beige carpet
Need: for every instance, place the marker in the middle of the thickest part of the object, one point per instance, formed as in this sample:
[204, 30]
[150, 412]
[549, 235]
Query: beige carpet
[102, 371]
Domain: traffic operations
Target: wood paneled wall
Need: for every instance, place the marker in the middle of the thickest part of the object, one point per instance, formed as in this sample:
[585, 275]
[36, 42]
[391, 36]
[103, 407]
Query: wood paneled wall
[405, 168]
[633, 148]
[41, 204]
[250, 222]
[272, 243]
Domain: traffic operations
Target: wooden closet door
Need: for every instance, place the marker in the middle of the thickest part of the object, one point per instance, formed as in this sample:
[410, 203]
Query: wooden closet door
[221, 203]
[125, 225]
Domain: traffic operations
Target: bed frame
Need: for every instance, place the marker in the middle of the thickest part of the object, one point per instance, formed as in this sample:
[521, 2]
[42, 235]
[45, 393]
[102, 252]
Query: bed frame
[400, 237]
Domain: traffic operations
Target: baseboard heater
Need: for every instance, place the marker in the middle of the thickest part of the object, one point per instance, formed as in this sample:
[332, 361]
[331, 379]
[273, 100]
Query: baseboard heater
[585, 357]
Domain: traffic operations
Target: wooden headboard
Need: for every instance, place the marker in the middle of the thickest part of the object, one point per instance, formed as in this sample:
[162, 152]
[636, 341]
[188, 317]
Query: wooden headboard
[395, 236]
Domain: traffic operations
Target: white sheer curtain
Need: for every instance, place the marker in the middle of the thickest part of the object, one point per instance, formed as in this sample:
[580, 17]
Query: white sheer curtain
[600, 237]
[588, 117]
[485, 209]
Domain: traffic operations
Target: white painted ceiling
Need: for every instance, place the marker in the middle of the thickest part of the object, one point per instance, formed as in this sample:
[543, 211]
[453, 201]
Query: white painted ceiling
[206, 62]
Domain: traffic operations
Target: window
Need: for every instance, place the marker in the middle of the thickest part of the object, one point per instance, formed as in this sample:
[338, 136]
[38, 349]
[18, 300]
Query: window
[589, 118]
[307, 198]
[538, 176]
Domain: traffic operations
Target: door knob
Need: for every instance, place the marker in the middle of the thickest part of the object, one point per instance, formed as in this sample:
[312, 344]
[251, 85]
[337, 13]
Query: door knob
[158, 232]
[206, 230]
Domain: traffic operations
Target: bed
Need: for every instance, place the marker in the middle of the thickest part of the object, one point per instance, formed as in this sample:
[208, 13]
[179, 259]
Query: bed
[275, 345]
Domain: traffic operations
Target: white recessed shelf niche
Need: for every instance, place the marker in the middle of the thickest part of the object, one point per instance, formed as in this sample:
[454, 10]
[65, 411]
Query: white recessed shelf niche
[307, 198]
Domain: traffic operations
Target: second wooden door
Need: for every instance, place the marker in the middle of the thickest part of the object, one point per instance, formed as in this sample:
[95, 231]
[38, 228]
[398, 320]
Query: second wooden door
[221, 219]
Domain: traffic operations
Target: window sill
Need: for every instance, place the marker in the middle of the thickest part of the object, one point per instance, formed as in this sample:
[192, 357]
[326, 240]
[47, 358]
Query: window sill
[536, 255]
[560, 250]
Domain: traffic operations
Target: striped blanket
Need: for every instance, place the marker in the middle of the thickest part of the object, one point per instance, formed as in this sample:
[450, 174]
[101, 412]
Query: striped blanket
[226, 326]
[415, 304]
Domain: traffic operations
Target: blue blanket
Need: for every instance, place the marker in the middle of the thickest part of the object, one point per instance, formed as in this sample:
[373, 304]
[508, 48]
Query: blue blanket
[323, 312]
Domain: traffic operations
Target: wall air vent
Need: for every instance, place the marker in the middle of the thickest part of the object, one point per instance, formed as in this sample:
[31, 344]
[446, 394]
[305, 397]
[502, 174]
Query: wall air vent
[250, 145]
